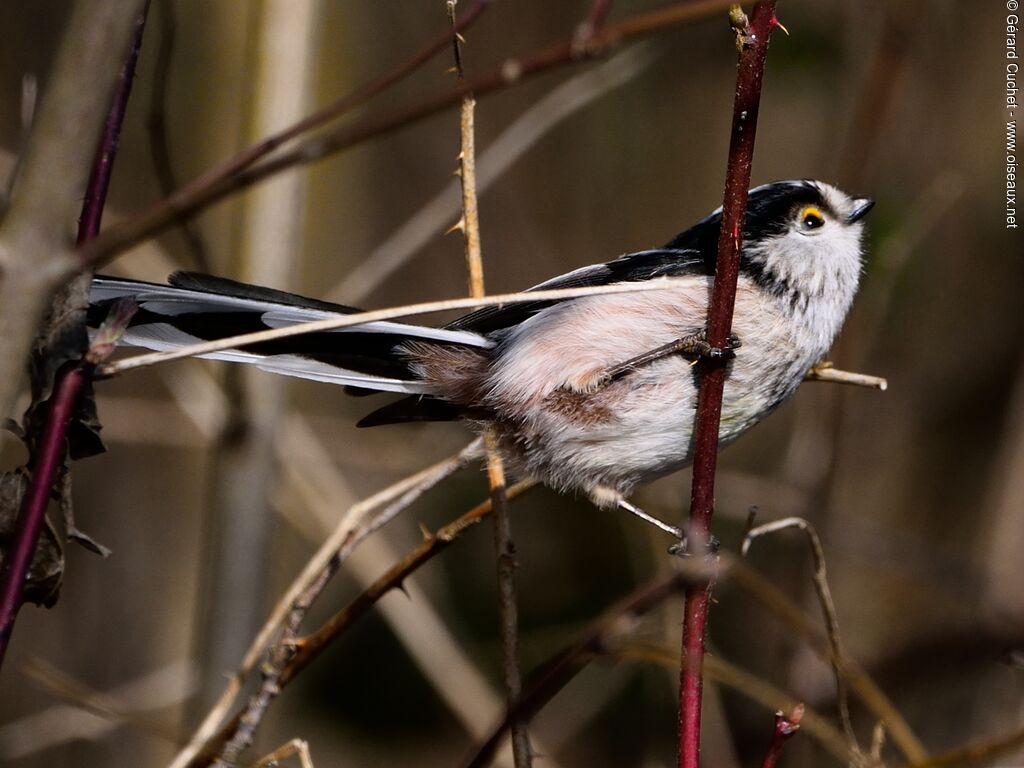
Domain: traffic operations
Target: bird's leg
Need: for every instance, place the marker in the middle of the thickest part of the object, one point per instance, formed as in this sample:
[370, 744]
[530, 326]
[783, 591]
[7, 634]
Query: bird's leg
[635, 510]
[694, 345]
[606, 497]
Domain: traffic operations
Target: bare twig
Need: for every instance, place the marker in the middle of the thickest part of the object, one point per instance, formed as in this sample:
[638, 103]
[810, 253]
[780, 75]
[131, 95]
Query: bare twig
[508, 613]
[825, 372]
[828, 608]
[785, 727]
[103, 166]
[209, 189]
[514, 141]
[305, 650]
[71, 379]
[293, 747]
[351, 530]
[181, 204]
[346, 321]
[752, 42]
[504, 546]
[310, 647]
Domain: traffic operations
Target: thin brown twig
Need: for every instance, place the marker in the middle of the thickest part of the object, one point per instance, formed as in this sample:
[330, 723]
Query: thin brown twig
[828, 608]
[826, 372]
[515, 139]
[283, 650]
[311, 646]
[180, 205]
[752, 39]
[294, 747]
[304, 650]
[350, 530]
[214, 187]
[508, 613]
[504, 546]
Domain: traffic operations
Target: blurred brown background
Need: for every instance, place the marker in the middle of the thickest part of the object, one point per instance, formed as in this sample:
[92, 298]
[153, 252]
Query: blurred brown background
[917, 492]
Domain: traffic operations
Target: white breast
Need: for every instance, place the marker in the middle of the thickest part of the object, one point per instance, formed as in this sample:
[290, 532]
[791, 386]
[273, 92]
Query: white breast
[641, 426]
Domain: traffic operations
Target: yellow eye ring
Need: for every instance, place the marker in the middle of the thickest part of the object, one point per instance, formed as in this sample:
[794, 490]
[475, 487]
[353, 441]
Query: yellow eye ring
[812, 218]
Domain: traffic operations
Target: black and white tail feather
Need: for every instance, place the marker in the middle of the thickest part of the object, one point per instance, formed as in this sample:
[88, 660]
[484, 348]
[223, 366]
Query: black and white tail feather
[193, 308]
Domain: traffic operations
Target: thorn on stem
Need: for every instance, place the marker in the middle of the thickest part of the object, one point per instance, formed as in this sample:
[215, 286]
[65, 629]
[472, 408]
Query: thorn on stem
[776, 23]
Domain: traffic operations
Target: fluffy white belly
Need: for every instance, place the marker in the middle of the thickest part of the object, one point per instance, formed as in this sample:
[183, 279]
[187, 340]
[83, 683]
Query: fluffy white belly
[640, 426]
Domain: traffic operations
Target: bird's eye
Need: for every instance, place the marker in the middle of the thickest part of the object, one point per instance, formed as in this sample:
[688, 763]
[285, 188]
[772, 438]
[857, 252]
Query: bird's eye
[811, 218]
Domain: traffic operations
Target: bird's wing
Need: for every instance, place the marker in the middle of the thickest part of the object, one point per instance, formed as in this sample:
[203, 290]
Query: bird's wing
[633, 267]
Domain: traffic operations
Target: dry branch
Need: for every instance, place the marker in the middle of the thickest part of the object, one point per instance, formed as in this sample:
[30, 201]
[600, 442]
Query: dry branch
[206, 191]
[828, 608]
[350, 531]
[504, 547]
[515, 140]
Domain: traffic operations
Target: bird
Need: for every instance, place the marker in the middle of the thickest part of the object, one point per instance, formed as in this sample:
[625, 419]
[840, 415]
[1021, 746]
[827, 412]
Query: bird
[592, 395]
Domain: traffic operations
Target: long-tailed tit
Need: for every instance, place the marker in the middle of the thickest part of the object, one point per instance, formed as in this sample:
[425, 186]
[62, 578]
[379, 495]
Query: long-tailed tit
[592, 394]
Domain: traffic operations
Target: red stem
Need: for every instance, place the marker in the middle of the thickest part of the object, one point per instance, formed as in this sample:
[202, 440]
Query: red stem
[785, 727]
[754, 41]
[71, 378]
[102, 167]
[33, 511]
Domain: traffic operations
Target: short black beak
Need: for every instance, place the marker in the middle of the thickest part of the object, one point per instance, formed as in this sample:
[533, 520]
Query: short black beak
[861, 207]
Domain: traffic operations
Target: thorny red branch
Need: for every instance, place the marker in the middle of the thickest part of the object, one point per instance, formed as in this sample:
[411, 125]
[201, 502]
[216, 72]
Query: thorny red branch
[752, 38]
[70, 379]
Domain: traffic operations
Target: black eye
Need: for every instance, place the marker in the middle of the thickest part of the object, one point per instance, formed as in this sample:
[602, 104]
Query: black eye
[811, 218]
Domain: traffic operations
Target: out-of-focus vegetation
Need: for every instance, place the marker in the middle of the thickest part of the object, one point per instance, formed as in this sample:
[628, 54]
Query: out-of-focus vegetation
[918, 492]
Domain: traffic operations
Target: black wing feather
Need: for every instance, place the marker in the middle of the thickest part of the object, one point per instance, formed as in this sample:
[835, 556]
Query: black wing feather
[196, 281]
[631, 268]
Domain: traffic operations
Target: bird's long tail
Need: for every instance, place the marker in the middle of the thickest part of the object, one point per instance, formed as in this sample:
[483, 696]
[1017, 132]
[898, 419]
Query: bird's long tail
[194, 308]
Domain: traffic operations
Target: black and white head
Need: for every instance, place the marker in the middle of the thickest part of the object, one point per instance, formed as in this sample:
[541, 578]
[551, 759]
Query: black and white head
[803, 240]
[801, 243]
